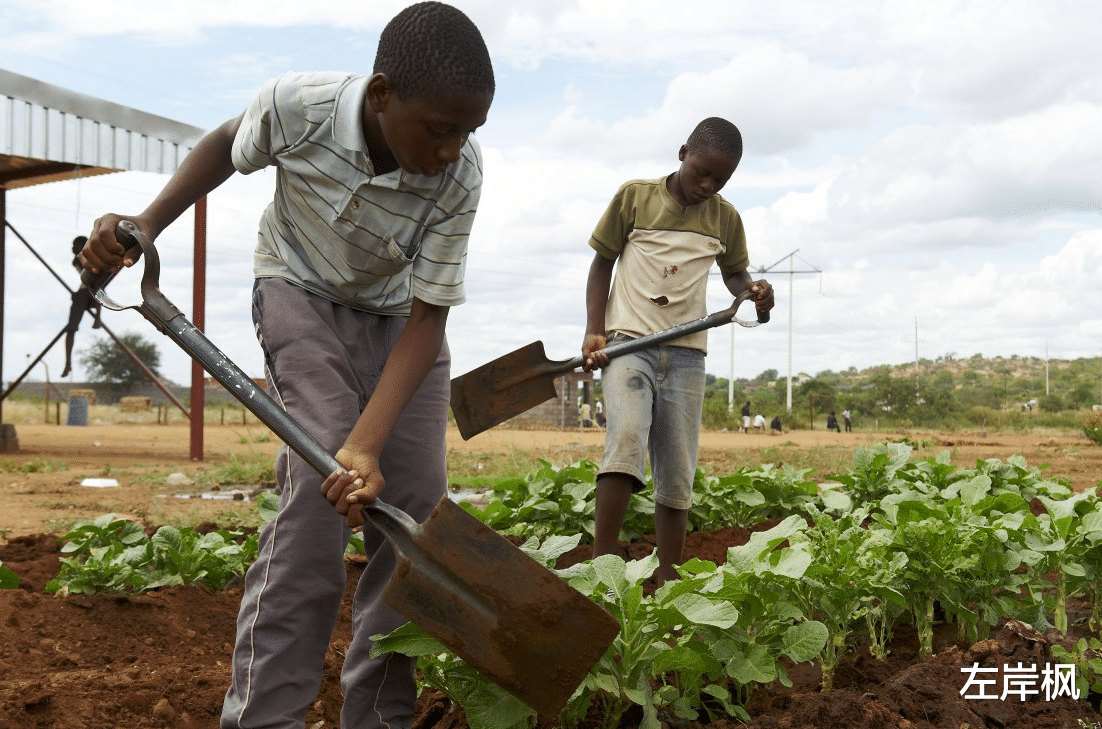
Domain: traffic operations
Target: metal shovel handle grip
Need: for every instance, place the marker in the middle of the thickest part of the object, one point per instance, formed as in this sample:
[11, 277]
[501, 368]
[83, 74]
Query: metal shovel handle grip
[159, 311]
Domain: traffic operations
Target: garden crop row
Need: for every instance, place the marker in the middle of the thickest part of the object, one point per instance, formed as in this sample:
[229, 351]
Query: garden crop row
[887, 542]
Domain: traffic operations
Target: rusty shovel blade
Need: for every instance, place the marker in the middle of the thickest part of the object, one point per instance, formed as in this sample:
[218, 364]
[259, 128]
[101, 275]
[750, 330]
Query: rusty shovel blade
[501, 611]
[508, 616]
[502, 389]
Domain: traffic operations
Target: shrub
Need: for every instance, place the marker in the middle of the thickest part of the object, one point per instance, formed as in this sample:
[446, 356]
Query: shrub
[1092, 427]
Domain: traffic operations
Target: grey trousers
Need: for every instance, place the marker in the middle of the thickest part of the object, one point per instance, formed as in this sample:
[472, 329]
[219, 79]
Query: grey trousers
[323, 363]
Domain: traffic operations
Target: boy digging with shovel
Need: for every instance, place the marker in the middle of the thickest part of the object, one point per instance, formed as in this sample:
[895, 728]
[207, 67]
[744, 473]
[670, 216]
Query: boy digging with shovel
[662, 236]
[359, 257]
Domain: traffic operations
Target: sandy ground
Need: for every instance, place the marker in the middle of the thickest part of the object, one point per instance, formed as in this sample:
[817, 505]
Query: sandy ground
[41, 485]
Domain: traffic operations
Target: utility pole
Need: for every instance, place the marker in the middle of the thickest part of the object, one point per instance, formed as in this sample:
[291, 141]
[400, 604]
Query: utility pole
[916, 360]
[791, 272]
[1046, 367]
[731, 377]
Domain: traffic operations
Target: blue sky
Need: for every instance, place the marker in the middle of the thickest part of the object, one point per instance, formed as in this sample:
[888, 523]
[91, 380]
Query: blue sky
[940, 164]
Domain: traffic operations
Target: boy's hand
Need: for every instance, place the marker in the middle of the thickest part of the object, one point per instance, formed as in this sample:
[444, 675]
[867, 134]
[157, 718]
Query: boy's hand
[347, 490]
[103, 252]
[763, 294]
[592, 354]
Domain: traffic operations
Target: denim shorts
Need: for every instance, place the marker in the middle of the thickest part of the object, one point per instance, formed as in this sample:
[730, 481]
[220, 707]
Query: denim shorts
[653, 401]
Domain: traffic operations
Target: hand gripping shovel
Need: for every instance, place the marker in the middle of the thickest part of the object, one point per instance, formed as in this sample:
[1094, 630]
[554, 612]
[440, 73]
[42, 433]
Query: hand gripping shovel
[517, 382]
[498, 609]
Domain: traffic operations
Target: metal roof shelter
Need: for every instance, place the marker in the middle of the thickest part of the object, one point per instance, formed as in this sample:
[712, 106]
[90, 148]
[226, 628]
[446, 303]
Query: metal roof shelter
[49, 133]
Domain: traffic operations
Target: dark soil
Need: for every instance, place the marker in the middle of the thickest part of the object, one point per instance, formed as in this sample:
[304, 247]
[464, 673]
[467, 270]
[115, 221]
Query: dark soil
[162, 660]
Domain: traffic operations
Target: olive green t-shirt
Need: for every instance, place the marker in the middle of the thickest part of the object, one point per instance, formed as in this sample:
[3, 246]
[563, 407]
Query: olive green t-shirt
[663, 254]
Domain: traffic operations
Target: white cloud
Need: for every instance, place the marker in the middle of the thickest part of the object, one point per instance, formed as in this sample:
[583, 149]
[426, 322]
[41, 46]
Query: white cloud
[937, 162]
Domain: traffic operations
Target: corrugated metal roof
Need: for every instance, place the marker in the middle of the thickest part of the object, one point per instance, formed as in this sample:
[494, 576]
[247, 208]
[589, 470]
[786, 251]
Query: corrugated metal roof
[50, 133]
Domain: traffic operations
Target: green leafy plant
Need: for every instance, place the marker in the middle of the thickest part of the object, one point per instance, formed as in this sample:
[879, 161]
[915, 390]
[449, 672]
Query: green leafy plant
[854, 574]
[38, 466]
[547, 502]
[656, 659]
[1086, 656]
[748, 496]
[677, 649]
[485, 705]
[8, 579]
[936, 558]
[875, 472]
[1015, 476]
[109, 555]
[1067, 540]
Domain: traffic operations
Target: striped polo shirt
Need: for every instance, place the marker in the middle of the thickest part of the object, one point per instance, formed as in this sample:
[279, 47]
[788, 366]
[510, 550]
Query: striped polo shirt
[663, 254]
[372, 242]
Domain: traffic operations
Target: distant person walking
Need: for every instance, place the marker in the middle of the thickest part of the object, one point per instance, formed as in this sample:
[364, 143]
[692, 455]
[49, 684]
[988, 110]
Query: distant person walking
[775, 425]
[846, 419]
[583, 416]
[759, 423]
[832, 422]
[745, 427]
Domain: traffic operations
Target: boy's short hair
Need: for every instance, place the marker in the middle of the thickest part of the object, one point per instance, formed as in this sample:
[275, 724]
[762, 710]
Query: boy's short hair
[718, 134]
[431, 45]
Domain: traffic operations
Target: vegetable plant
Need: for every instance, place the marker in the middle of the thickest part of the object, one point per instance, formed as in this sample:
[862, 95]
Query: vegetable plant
[484, 703]
[758, 576]
[548, 502]
[1065, 540]
[8, 579]
[854, 574]
[115, 555]
[937, 558]
[749, 495]
[1086, 655]
[875, 472]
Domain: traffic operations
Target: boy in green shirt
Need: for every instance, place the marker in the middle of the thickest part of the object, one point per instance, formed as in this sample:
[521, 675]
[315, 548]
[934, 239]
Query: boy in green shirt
[662, 237]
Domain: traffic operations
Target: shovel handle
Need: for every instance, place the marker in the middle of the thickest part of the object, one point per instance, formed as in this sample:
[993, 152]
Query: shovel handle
[160, 312]
[714, 319]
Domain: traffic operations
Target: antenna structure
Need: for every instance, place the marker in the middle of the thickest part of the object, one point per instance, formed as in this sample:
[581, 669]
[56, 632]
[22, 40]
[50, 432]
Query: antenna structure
[791, 273]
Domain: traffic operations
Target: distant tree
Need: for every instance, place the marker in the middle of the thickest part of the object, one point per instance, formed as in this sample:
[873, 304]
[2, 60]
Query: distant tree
[106, 362]
[1084, 394]
[1051, 403]
[767, 376]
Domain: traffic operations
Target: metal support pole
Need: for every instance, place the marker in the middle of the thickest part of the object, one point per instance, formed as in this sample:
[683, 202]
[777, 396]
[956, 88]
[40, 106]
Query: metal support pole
[15, 383]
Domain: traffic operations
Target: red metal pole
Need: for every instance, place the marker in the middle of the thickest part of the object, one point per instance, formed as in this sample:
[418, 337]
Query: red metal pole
[3, 255]
[198, 316]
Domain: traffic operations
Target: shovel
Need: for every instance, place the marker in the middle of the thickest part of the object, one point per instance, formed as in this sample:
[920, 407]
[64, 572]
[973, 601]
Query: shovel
[495, 607]
[517, 382]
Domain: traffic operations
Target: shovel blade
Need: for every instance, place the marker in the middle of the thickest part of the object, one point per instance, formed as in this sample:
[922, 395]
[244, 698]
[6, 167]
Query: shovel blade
[497, 391]
[498, 609]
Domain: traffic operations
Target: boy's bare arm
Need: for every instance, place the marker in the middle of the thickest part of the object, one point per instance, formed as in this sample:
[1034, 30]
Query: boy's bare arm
[596, 299]
[409, 362]
[740, 281]
[207, 166]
